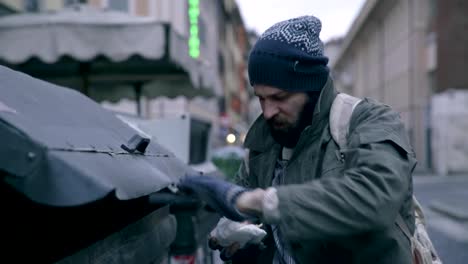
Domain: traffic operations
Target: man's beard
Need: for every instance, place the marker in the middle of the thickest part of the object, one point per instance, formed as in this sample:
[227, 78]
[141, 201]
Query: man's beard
[290, 136]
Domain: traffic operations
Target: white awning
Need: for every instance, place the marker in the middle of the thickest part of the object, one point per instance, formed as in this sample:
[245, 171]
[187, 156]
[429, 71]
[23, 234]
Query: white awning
[82, 33]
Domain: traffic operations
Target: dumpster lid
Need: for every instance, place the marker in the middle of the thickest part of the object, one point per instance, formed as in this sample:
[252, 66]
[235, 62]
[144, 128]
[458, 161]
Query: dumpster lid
[61, 148]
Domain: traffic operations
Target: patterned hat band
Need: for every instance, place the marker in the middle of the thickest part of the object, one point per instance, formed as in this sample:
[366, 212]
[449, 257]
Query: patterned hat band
[287, 74]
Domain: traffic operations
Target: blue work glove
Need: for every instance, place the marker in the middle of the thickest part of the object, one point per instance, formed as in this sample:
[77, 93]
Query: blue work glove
[220, 195]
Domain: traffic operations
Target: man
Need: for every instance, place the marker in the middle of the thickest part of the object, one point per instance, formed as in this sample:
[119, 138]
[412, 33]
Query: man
[319, 205]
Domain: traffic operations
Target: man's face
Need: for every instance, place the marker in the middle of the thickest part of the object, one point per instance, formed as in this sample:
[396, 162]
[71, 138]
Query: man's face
[281, 109]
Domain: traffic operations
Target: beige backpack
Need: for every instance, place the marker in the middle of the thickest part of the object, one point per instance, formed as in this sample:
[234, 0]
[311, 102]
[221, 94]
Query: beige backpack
[421, 244]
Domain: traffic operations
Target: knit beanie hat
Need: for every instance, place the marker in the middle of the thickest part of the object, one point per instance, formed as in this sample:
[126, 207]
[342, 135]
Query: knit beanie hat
[289, 56]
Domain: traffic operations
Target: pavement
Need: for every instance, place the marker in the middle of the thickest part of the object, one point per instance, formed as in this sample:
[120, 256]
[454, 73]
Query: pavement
[445, 203]
[444, 195]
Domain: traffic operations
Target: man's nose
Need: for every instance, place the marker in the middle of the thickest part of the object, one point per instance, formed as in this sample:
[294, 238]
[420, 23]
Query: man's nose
[270, 109]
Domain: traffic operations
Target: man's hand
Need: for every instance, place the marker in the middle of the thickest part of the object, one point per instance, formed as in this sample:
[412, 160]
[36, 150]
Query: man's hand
[251, 202]
[218, 194]
[229, 237]
[225, 253]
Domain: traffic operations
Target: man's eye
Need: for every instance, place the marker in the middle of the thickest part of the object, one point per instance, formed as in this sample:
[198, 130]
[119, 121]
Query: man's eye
[280, 97]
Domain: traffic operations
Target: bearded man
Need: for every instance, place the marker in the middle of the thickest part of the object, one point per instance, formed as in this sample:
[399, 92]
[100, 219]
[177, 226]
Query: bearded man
[318, 203]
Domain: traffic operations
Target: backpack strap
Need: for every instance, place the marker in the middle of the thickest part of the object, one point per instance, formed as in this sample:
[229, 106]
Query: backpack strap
[340, 115]
[404, 227]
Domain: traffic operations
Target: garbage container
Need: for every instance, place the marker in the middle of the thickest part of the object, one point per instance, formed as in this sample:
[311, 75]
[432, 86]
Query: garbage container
[77, 185]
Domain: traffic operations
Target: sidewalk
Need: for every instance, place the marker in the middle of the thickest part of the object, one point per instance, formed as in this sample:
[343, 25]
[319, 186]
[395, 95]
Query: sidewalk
[445, 204]
[447, 195]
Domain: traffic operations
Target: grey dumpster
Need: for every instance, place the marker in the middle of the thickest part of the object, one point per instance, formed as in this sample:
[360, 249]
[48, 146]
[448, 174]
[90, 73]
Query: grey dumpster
[77, 185]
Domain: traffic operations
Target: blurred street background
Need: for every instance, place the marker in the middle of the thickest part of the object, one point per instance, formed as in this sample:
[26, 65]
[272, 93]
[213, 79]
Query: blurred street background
[444, 201]
[176, 70]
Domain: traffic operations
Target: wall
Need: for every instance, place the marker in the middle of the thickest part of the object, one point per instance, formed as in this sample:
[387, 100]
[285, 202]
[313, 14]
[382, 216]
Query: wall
[450, 123]
[332, 49]
[13, 4]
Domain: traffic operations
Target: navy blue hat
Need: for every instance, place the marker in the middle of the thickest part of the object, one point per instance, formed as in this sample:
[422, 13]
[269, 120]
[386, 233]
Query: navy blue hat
[289, 56]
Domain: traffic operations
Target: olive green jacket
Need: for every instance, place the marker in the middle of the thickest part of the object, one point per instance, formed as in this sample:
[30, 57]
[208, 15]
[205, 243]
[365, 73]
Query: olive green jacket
[334, 210]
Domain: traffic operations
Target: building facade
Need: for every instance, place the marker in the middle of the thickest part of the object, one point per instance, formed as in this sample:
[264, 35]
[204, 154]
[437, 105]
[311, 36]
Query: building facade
[385, 56]
[222, 55]
[217, 44]
[234, 106]
[405, 53]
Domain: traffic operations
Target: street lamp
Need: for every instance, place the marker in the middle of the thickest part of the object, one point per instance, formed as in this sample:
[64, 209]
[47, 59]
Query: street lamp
[231, 138]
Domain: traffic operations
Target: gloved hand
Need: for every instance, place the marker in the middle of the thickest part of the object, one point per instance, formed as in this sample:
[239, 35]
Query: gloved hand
[217, 193]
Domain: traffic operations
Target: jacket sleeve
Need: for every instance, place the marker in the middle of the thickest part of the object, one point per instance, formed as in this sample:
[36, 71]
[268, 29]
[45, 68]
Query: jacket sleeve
[368, 192]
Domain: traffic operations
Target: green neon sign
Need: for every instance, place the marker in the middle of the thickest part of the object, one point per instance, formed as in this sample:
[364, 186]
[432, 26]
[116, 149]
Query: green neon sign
[194, 38]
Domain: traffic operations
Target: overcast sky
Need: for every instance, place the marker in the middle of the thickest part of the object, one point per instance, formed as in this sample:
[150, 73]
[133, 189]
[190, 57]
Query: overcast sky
[336, 15]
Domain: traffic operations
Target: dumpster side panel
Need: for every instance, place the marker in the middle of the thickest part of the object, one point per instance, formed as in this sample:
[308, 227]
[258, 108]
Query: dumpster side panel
[145, 241]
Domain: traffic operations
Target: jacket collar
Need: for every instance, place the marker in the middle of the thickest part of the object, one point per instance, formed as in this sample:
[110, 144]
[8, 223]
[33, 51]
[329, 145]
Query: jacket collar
[259, 136]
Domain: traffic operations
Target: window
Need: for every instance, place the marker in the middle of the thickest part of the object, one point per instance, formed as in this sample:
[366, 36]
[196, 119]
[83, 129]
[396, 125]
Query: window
[199, 140]
[221, 66]
[121, 5]
[73, 2]
[433, 9]
[202, 34]
[31, 5]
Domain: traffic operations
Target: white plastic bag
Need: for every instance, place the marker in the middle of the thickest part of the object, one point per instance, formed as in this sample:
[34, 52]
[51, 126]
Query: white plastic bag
[228, 232]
